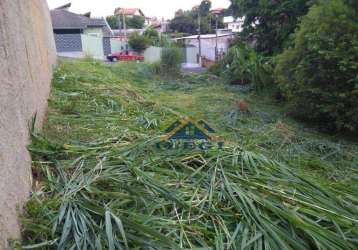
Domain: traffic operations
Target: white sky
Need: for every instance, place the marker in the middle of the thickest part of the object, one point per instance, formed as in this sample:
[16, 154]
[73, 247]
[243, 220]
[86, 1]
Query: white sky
[158, 8]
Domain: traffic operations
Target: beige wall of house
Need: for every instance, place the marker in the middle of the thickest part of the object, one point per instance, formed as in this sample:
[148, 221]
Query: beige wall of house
[92, 46]
[27, 57]
[93, 31]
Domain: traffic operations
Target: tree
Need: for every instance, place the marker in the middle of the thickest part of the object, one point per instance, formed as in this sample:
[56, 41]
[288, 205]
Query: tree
[152, 35]
[184, 24]
[319, 74]
[269, 23]
[113, 22]
[204, 7]
[187, 21]
[135, 22]
[138, 42]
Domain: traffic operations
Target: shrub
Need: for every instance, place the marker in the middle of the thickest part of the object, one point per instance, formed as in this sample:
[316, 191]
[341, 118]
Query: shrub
[170, 62]
[319, 75]
[242, 65]
[152, 35]
[156, 39]
[138, 42]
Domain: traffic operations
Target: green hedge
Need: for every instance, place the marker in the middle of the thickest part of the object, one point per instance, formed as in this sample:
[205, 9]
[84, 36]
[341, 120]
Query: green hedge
[319, 75]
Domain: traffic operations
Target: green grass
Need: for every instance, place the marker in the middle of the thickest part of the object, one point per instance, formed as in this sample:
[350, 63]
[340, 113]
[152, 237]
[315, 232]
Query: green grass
[100, 182]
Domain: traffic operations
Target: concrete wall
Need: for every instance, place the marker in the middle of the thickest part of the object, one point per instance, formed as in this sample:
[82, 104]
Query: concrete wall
[27, 57]
[152, 54]
[191, 54]
[93, 46]
[117, 45]
[208, 46]
[93, 31]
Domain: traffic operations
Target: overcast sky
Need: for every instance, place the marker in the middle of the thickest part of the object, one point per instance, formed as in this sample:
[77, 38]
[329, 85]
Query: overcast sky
[158, 8]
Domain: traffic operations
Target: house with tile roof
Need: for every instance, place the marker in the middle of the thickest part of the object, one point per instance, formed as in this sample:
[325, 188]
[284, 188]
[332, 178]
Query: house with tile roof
[130, 12]
[66, 22]
[73, 32]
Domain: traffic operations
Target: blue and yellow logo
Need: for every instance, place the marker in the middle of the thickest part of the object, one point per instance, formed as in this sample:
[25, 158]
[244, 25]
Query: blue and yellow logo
[188, 134]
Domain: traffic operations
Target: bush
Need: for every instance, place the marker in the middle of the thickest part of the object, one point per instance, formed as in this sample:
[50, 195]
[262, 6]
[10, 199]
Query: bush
[242, 65]
[156, 39]
[170, 62]
[138, 42]
[319, 75]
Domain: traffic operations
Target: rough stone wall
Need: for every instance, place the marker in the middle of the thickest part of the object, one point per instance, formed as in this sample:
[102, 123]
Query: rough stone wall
[27, 57]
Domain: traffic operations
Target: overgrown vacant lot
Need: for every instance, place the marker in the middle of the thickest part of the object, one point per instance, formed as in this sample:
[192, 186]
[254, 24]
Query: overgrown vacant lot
[101, 183]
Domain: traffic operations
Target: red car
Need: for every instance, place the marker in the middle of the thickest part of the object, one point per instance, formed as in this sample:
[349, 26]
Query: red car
[125, 56]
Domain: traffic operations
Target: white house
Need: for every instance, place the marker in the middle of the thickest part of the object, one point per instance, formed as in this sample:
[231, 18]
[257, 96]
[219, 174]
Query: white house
[208, 43]
[235, 25]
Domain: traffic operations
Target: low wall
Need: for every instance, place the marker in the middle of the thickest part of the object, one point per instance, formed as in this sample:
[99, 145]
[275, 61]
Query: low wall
[191, 54]
[117, 46]
[93, 46]
[27, 56]
[152, 54]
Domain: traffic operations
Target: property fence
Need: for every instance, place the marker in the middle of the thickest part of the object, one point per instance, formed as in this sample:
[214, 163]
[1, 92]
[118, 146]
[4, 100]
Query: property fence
[93, 46]
[191, 55]
[117, 45]
[152, 54]
[80, 45]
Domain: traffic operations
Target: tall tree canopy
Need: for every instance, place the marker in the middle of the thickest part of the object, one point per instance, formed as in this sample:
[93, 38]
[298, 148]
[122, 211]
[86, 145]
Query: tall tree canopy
[269, 22]
[184, 23]
[205, 7]
[135, 22]
[187, 21]
[319, 74]
[113, 22]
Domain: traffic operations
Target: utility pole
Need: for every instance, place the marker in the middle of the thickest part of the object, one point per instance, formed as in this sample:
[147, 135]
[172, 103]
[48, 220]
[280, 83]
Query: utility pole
[125, 32]
[216, 40]
[119, 23]
[199, 37]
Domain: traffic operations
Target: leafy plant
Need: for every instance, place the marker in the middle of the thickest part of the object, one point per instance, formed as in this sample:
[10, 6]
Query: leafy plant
[156, 39]
[138, 42]
[151, 33]
[319, 75]
[242, 65]
[101, 183]
[117, 195]
[170, 61]
[269, 23]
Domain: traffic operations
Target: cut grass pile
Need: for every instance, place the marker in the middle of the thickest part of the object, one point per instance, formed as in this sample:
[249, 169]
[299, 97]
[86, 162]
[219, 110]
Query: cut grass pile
[100, 182]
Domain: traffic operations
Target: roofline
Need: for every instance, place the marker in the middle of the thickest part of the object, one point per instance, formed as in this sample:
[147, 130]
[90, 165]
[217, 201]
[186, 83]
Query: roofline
[202, 36]
[65, 6]
[69, 28]
[88, 14]
[109, 27]
[119, 8]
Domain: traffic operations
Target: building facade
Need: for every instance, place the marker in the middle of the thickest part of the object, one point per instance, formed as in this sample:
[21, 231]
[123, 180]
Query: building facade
[208, 44]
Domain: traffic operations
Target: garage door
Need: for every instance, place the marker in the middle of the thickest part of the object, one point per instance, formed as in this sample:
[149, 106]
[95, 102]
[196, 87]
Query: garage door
[68, 42]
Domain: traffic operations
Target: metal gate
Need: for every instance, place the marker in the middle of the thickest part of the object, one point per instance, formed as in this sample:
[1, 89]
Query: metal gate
[68, 42]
